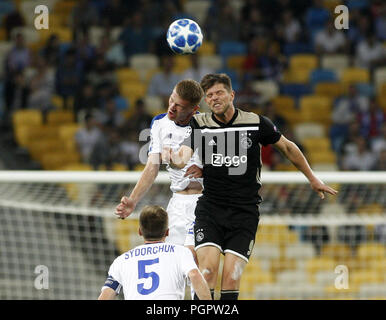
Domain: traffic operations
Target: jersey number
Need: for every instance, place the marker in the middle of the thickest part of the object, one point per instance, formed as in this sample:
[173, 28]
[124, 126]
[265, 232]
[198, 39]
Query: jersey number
[142, 274]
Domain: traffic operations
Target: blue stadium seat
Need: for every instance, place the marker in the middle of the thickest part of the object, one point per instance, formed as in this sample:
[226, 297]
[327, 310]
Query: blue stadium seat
[357, 4]
[322, 75]
[366, 89]
[228, 48]
[233, 75]
[295, 90]
[299, 47]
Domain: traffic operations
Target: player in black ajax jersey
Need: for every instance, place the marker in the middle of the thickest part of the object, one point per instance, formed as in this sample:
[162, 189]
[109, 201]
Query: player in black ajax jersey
[229, 143]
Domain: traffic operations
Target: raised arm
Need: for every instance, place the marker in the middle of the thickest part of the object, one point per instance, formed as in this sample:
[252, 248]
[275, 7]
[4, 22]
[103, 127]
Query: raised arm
[291, 151]
[199, 284]
[149, 174]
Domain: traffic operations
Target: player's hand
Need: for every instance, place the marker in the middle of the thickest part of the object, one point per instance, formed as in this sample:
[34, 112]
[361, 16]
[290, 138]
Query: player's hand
[193, 172]
[320, 188]
[125, 208]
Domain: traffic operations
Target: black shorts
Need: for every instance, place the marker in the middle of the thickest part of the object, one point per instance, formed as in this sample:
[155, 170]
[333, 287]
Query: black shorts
[230, 228]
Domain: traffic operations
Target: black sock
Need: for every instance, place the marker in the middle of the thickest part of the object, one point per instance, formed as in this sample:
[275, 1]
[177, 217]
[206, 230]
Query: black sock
[211, 293]
[229, 294]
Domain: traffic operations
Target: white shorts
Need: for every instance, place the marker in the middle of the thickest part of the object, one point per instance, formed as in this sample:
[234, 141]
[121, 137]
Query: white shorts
[181, 218]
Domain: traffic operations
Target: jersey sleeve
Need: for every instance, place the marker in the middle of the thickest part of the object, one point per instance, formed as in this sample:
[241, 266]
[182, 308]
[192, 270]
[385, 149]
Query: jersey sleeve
[187, 261]
[155, 139]
[270, 134]
[193, 135]
[113, 280]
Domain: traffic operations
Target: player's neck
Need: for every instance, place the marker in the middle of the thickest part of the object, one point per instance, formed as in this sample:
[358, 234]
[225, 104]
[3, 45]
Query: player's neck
[227, 116]
[154, 241]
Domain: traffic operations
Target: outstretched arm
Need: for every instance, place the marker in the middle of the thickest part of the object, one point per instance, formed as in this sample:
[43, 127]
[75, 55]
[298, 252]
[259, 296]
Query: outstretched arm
[293, 153]
[149, 174]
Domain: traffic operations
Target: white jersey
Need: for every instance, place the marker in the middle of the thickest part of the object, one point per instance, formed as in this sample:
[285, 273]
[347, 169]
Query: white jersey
[165, 132]
[154, 271]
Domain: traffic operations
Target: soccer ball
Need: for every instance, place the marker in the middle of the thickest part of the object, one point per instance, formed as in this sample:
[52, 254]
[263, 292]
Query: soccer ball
[184, 36]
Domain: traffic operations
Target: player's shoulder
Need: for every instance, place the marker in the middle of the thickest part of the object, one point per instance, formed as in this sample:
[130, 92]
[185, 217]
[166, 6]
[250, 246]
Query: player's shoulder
[158, 118]
[203, 119]
[248, 117]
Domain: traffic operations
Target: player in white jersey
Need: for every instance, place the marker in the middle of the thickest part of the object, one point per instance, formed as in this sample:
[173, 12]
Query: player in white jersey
[169, 130]
[155, 270]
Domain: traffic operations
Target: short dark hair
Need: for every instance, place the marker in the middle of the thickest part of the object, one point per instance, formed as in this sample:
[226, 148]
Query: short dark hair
[153, 222]
[190, 90]
[209, 80]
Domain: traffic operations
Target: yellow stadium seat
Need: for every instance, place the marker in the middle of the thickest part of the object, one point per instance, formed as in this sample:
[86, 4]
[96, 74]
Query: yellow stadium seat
[57, 160]
[123, 230]
[337, 62]
[235, 62]
[38, 148]
[320, 263]
[315, 108]
[68, 131]
[207, 48]
[378, 265]
[335, 251]
[297, 76]
[285, 106]
[371, 251]
[133, 91]
[58, 117]
[366, 276]
[322, 157]
[64, 7]
[139, 167]
[77, 166]
[330, 89]
[27, 117]
[320, 143]
[181, 63]
[128, 74]
[354, 75]
[303, 61]
[373, 208]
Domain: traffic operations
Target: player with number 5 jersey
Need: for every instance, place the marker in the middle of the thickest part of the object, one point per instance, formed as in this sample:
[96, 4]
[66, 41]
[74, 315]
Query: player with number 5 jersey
[155, 270]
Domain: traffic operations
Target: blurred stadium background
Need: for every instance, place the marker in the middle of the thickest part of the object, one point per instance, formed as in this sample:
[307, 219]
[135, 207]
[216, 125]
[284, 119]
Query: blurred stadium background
[76, 96]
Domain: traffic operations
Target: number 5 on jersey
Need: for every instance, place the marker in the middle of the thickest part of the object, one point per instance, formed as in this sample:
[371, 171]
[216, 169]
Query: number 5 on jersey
[142, 274]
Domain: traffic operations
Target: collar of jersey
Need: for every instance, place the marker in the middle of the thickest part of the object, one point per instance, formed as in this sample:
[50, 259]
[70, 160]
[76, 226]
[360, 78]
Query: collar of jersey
[230, 122]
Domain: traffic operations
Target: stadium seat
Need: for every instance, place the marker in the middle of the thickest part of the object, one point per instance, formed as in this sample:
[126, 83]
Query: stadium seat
[303, 61]
[77, 167]
[330, 89]
[322, 75]
[320, 263]
[316, 143]
[56, 160]
[370, 209]
[207, 48]
[213, 62]
[366, 89]
[182, 63]
[322, 157]
[359, 277]
[336, 250]
[228, 48]
[336, 62]
[123, 229]
[154, 105]
[300, 251]
[198, 9]
[296, 90]
[27, 117]
[144, 61]
[379, 77]
[233, 75]
[354, 75]
[265, 251]
[31, 35]
[133, 90]
[38, 148]
[128, 74]
[290, 49]
[58, 117]
[68, 131]
[301, 76]
[324, 277]
[371, 251]
[292, 277]
[267, 89]
[315, 108]
[235, 62]
[308, 130]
